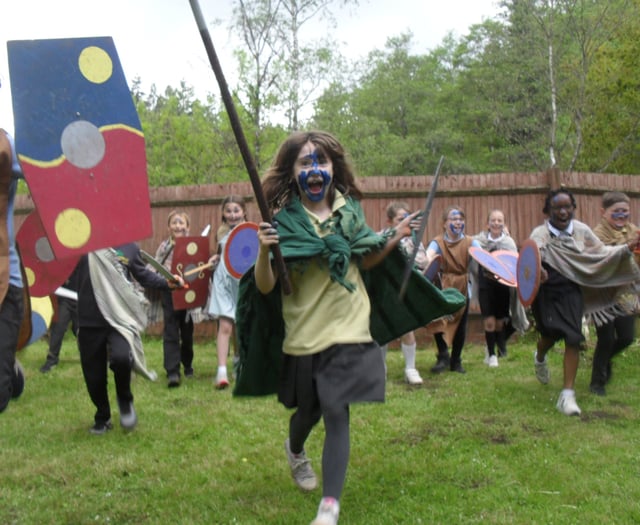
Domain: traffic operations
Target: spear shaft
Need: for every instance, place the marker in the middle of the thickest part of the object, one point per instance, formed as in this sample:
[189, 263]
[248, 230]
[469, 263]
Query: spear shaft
[241, 140]
[421, 230]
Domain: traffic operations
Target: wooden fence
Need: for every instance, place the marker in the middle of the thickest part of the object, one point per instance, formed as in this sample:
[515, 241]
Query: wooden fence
[519, 195]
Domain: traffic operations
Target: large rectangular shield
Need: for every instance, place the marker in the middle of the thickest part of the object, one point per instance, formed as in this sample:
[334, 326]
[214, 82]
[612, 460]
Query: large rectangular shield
[80, 143]
[189, 254]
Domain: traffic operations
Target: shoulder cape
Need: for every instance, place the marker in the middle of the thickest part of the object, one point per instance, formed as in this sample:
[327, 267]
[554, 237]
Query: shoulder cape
[259, 322]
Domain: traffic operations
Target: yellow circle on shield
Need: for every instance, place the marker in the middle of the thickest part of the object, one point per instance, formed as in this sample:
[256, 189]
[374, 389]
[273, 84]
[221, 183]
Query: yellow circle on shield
[73, 228]
[95, 64]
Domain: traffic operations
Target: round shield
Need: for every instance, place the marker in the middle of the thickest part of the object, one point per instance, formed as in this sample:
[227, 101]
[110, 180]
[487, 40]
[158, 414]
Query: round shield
[491, 263]
[528, 272]
[41, 315]
[433, 268]
[43, 271]
[241, 250]
[510, 260]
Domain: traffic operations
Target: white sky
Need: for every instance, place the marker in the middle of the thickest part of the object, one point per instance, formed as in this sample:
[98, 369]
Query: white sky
[158, 41]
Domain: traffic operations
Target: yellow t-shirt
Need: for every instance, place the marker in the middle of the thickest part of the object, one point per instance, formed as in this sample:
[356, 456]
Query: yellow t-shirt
[319, 313]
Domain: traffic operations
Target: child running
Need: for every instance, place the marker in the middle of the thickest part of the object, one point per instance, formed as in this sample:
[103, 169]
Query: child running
[320, 334]
[224, 294]
[177, 334]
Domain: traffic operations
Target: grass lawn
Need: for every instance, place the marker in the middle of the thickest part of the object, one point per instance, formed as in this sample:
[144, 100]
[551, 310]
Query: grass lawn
[484, 447]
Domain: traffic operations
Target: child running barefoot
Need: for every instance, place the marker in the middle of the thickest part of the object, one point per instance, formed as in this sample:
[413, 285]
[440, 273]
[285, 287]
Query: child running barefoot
[224, 295]
[325, 354]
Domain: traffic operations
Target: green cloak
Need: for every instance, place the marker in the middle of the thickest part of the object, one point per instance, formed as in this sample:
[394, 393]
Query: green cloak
[259, 322]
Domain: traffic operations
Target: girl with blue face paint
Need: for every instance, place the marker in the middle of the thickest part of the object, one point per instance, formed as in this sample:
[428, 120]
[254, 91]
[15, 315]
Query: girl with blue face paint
[614, 336]
[453, 246]
[327, 356]
[314, 175]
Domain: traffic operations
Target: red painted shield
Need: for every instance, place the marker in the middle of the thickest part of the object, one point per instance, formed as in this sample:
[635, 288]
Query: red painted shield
[44, 272]
[528, 272]
[80, 143]
[190, 257]
[491, 263]
[241, 249]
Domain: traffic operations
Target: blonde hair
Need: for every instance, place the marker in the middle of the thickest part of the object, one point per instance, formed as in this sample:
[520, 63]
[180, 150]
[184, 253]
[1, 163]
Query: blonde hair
[392, 208]
[182, 214]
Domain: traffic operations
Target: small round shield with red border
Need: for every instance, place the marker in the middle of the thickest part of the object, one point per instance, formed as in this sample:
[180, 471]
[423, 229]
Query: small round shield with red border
[241, 249]
[528, 272]
[491, 263]
[510, 260]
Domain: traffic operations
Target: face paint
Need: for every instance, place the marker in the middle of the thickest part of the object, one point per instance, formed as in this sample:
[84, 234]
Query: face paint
[622, 215]
[456, 229]
[456, 224]
[314, 171]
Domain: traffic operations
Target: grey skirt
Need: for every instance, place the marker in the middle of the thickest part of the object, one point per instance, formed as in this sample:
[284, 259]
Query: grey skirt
[341, 374]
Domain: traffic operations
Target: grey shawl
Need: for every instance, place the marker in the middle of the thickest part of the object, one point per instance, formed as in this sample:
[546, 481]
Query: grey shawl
[122, 305]
[606, 274]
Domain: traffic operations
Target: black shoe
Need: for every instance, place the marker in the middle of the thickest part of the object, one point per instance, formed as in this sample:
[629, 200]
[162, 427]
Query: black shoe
[100, 427]
[174, 380]
[17, 381]
[440, 366]
[188, 372]
[457, 367]
[47, 367]
[597, 389]
[128, 416]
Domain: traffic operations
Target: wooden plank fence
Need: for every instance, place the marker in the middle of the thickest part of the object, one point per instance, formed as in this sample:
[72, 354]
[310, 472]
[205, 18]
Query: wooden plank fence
[520, 196]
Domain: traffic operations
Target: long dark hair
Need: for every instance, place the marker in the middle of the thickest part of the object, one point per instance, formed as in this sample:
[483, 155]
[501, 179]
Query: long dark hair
[278, 183]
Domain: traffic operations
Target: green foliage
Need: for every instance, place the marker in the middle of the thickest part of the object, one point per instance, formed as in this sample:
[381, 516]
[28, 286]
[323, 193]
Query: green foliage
[484, 447]
[545, 83]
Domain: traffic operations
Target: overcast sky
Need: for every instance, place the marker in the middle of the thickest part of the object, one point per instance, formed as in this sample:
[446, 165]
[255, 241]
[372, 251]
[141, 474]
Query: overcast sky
[158, 41]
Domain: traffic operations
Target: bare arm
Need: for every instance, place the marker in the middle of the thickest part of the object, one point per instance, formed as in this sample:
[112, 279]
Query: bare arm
[264, 273]
[402, 230]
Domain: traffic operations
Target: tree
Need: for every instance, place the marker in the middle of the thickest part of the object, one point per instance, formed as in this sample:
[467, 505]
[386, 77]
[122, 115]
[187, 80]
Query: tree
[286, 71]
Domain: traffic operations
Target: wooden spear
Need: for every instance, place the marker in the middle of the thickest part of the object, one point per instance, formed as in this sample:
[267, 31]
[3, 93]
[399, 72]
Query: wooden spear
[241, 140]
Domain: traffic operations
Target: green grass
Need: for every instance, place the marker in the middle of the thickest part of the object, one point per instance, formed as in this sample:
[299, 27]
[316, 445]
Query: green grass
[485, 447]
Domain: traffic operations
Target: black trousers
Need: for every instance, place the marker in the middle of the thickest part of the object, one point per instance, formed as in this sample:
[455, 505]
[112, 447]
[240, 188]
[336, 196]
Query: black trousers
[177, 337]
[67, 313]
[11, 312]
[99, 347]
[613, 338]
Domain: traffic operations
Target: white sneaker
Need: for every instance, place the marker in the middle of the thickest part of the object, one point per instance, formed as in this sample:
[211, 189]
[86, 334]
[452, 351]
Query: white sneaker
[493, 361]
[328, 512]
[486, 355]
[301, 470]
[567, 404]
[542, 370]
[412, 376]
[222, 381]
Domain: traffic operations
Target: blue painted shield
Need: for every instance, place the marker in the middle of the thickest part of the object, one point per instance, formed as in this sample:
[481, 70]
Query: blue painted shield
[491, 263]
[241, 249]
[528, 272]
[433, 268]
[510, 260]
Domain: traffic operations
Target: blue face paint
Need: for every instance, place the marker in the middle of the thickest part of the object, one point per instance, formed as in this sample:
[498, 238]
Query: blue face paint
[621, 215]
[303, 178]
[456, 224]
[456, 229]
